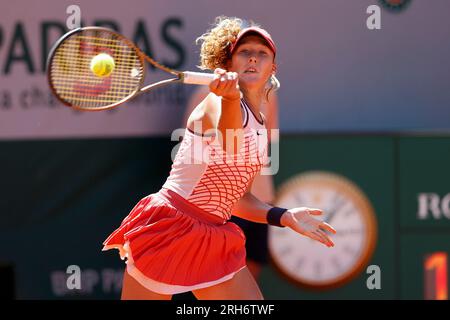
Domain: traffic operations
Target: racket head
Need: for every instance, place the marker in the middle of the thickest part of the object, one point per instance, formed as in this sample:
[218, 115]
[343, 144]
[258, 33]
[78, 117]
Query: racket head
[75, 85]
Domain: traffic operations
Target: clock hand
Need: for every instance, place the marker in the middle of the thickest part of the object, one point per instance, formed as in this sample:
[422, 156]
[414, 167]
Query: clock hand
[330, 216]
[334, 210]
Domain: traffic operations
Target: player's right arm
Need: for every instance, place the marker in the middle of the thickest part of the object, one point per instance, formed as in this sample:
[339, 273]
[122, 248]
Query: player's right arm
[220, 111]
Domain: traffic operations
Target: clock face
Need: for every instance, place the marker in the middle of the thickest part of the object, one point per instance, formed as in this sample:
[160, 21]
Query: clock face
[309, 263]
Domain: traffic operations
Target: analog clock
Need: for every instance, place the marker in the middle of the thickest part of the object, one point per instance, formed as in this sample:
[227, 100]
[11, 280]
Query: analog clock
[308, 263]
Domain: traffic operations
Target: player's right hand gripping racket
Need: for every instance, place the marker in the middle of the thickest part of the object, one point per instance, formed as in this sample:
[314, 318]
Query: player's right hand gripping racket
[72, 81]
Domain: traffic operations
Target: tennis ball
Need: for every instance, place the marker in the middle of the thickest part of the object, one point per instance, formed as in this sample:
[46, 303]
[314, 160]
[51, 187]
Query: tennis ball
[102, 65]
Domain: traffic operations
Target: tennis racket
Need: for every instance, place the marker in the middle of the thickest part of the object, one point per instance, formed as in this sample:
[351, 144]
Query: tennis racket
[74, 84]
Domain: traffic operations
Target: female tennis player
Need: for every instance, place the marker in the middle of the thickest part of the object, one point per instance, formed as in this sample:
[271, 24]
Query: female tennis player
[179, 239]
[263, 187]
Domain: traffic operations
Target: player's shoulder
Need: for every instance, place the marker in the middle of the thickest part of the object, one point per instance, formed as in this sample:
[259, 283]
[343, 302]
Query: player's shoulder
[212, 100]
[204, 113]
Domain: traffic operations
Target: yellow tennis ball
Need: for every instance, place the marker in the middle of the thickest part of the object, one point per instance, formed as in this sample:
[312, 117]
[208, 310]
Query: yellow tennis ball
[102, 65]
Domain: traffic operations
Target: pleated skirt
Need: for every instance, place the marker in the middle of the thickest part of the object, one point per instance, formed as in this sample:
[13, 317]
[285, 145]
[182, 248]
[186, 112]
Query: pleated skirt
[172, 246]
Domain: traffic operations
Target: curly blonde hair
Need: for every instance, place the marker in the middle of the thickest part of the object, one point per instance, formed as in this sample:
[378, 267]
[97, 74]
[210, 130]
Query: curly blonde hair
[214, 52]
[215, 44]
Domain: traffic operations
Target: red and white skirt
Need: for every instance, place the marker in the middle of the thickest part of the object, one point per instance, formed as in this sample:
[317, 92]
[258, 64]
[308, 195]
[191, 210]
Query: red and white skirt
[173, 246]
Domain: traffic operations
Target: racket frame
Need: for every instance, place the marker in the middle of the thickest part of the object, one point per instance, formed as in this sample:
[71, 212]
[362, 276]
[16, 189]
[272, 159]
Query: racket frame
[142, 57]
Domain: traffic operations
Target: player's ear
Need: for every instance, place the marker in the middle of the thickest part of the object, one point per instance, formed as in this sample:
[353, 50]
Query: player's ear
[274, 68]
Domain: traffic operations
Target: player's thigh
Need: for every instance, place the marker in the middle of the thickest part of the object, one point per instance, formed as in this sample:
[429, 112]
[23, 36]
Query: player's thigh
[133, 290]
[241, 287]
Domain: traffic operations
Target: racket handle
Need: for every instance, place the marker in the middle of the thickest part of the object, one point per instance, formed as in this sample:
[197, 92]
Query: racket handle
[197, 78]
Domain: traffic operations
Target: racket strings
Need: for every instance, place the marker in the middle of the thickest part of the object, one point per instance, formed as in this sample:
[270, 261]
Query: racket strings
[150, 60]
[75, 83]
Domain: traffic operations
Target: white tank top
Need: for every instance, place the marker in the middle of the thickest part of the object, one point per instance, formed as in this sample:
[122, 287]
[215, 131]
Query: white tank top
[205, 175]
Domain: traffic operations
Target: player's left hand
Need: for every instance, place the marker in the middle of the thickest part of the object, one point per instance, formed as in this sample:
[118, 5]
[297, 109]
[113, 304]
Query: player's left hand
[302, 220]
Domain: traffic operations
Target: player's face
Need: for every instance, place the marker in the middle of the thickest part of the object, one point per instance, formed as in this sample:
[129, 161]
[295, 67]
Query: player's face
[253, 61]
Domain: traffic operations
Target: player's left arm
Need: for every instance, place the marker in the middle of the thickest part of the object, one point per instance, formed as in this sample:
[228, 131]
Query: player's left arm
[251, 208]
[300, 219]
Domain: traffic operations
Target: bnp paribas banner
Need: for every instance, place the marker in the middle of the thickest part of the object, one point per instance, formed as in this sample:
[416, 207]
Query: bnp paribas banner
[28, 30]
[346, 65]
